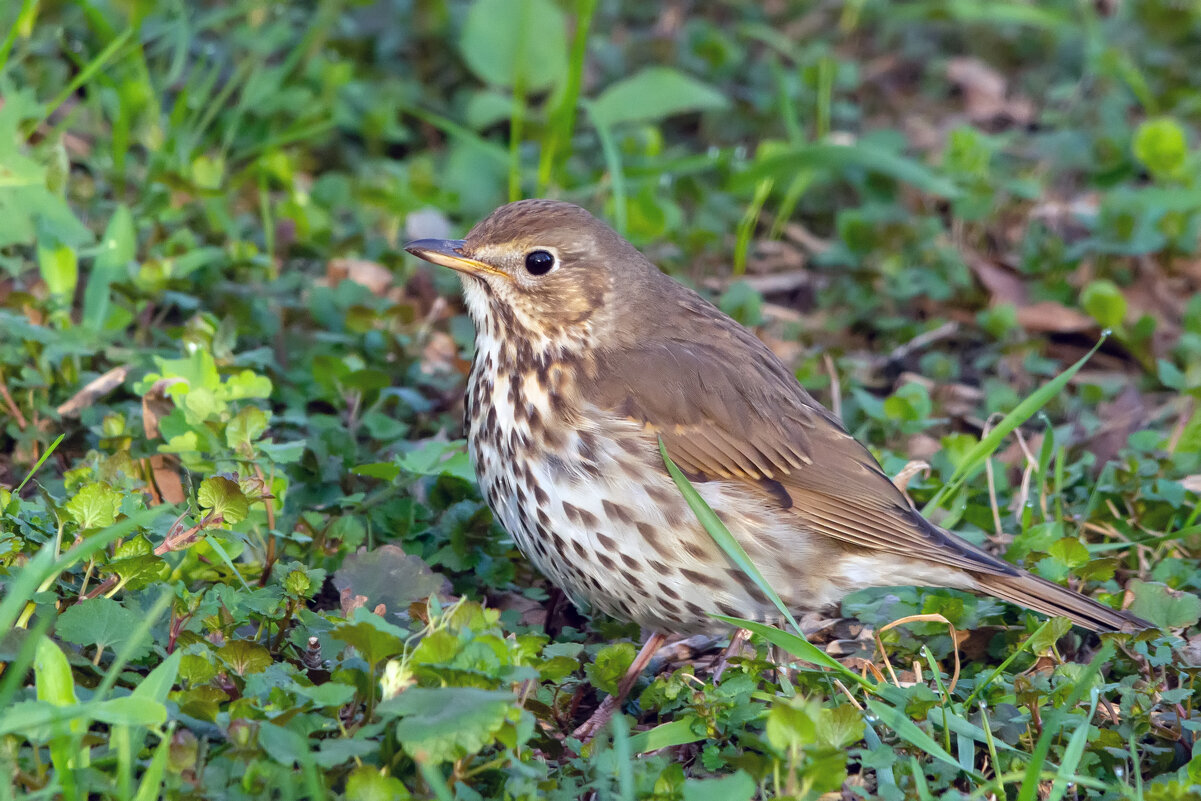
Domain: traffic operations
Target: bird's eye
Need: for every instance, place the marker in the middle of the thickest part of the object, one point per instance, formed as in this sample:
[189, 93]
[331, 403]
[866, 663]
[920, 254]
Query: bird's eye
[539, 262]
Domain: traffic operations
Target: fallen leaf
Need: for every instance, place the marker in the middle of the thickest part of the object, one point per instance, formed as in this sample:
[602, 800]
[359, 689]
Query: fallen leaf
[985, 93]
[375, 277]
[156, 405]
[1004, 286]
[96, 388]
[1047, 316]
[1123, 415]
[388, 576]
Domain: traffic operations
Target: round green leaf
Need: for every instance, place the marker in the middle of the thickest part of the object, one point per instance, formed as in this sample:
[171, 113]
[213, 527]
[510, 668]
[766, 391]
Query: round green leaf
[1104, 302]
[1161, 146]
[510, 42]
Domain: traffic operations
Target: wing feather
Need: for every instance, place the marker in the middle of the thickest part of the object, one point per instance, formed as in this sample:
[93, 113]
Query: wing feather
[727, 409]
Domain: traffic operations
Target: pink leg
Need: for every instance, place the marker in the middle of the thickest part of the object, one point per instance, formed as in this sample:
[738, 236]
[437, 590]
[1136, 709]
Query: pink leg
[611, 704]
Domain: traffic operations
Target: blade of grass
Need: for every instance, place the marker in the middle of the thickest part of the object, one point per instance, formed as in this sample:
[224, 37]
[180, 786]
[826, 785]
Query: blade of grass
[24, 22]
[44, 566]
[801, 648]
[623, 757]
[613, 165]
[1004, 665]
[746, 226]
[1074, 751]
[562, 121]
[913, 734]
[677, 732]
[90, 69]
[722, 536]
[152, 779]
[974, 461]
[1030, 785]
[39, 463]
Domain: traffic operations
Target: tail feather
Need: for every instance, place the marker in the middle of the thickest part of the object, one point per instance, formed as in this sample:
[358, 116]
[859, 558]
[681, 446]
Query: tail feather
[1043, 596]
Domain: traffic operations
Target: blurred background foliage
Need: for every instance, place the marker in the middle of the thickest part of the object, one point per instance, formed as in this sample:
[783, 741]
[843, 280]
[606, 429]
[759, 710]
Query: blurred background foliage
[230, 468]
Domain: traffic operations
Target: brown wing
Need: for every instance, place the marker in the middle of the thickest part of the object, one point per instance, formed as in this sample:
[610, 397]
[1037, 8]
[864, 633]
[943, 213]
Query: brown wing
[726, 408]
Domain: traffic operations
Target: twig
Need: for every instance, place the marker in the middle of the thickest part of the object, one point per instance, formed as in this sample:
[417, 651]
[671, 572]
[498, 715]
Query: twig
[835, 386]
[990, 475]
[12, 406]
[920, 341]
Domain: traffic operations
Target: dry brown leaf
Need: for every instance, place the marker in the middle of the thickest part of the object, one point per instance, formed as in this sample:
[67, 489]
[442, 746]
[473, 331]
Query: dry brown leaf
[1004, 286]
[985, 93]
[156, 405]
[372, 275]
[351, 602]
[165, 484]
[1047, 316]
[912, 468]
[93, 390]
[1122, 416]
[440, 354]
[806, 238]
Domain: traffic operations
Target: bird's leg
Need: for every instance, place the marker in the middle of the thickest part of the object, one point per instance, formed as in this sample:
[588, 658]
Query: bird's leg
[611, 704]
[732, 650]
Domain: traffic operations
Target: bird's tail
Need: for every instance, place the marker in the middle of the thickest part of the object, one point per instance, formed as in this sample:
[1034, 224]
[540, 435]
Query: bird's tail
[1043, 596]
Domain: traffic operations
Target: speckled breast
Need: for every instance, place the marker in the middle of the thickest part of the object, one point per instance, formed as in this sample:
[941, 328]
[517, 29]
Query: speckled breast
[586, 498]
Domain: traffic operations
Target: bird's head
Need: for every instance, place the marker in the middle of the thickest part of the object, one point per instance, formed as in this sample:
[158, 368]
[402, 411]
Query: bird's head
[542, 268]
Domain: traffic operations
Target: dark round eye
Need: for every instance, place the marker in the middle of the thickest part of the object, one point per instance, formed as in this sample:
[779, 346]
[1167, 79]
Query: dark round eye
[539, 262]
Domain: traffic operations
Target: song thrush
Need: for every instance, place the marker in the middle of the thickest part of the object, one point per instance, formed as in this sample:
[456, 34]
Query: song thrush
[586, 354]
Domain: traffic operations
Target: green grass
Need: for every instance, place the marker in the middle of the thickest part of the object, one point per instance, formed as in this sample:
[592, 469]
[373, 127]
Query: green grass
[242, 554]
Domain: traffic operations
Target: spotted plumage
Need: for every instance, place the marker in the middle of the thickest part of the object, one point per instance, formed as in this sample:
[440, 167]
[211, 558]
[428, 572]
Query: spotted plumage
[587, 356]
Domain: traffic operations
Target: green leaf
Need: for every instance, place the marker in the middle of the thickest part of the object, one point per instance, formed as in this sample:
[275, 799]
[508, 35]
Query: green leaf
[516, 43]
[246, 427]
[1044, 639]
[791, 725]
[52, 675]
[367, 783]
[610, 665]
[738, 786]
[117, 250]
[135, 563]
[371, 635]
[222, 496]
[1104, 302]
[94, 506]
[1161, 146]
[840, 726]
[101, 622]
[243, 385]
[328, 694]
[59, 268]
[654, 94]
[447, 723]
[1165, 607]
[841, 158]
[677, 732]
[129, 710]
[1070, 552]
[285, 746]
[245, 657]
[435, 458]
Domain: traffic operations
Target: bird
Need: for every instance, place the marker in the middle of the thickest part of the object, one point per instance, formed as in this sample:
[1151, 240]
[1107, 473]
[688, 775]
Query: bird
[587, 356]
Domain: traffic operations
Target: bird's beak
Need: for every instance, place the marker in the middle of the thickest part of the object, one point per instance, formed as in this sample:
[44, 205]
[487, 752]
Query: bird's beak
[449, 253]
